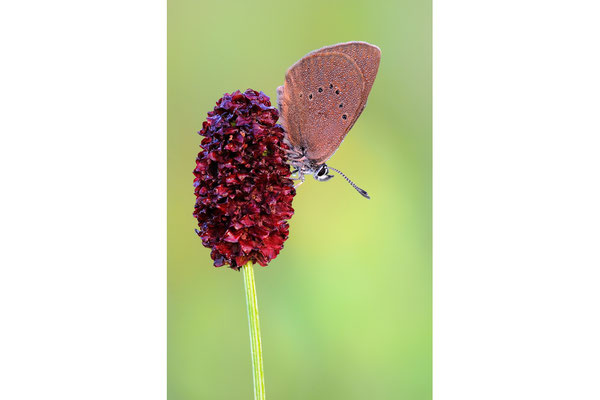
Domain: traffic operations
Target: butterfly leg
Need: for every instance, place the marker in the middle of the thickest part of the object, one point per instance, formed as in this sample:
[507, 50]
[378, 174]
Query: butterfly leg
[296, 174]
[299, 178]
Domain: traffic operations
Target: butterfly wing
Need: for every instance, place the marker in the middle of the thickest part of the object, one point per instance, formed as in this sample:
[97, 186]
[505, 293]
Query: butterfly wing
[319, 102]
[366, 56]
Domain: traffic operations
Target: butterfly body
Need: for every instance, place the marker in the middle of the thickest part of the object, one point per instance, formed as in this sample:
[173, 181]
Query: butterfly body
[323, 95]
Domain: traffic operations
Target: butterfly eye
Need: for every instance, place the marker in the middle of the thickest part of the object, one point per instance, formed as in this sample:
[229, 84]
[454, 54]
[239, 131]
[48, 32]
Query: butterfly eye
[344, 116]
[337, 91]
[341, 105]
[310, 96]
[331, 86]
[320, 90]
[322, 174]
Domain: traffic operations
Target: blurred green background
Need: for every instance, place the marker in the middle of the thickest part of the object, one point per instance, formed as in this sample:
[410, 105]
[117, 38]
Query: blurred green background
[346, 306]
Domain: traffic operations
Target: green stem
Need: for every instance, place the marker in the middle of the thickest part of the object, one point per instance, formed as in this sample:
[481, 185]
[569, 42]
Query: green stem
[254, 324]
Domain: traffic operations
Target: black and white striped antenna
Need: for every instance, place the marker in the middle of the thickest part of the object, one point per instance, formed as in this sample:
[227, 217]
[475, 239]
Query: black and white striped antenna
[359, 190]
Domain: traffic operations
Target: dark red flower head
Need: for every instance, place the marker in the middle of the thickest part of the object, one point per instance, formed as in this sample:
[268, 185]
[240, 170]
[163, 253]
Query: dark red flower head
[243, 188]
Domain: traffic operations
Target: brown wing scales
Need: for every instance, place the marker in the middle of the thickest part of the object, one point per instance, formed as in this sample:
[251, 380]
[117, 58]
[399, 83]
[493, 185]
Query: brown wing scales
[320, 100]
[366, 56]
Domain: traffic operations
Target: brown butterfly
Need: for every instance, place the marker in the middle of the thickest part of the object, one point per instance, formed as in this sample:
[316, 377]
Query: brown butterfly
[323, 95]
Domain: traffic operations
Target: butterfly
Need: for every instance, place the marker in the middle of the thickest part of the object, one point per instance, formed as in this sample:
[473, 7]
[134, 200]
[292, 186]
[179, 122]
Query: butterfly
[323, 95]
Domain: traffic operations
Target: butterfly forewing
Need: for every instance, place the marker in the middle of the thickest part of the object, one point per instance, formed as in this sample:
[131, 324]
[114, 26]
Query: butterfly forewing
[367, 57]
[320, 101]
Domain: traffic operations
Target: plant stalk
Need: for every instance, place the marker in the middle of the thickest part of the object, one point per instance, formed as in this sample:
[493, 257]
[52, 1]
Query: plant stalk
[254, 325]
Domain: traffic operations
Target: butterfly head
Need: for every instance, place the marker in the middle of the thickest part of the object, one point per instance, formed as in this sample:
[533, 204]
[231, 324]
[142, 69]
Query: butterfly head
[322, 173]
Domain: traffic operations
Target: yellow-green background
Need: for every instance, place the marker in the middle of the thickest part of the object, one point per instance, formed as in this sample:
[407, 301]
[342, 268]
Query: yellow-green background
[346, 306]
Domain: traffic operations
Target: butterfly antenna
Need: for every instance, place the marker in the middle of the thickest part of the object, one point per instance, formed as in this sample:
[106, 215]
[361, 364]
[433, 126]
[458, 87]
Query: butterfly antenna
[359, 190]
